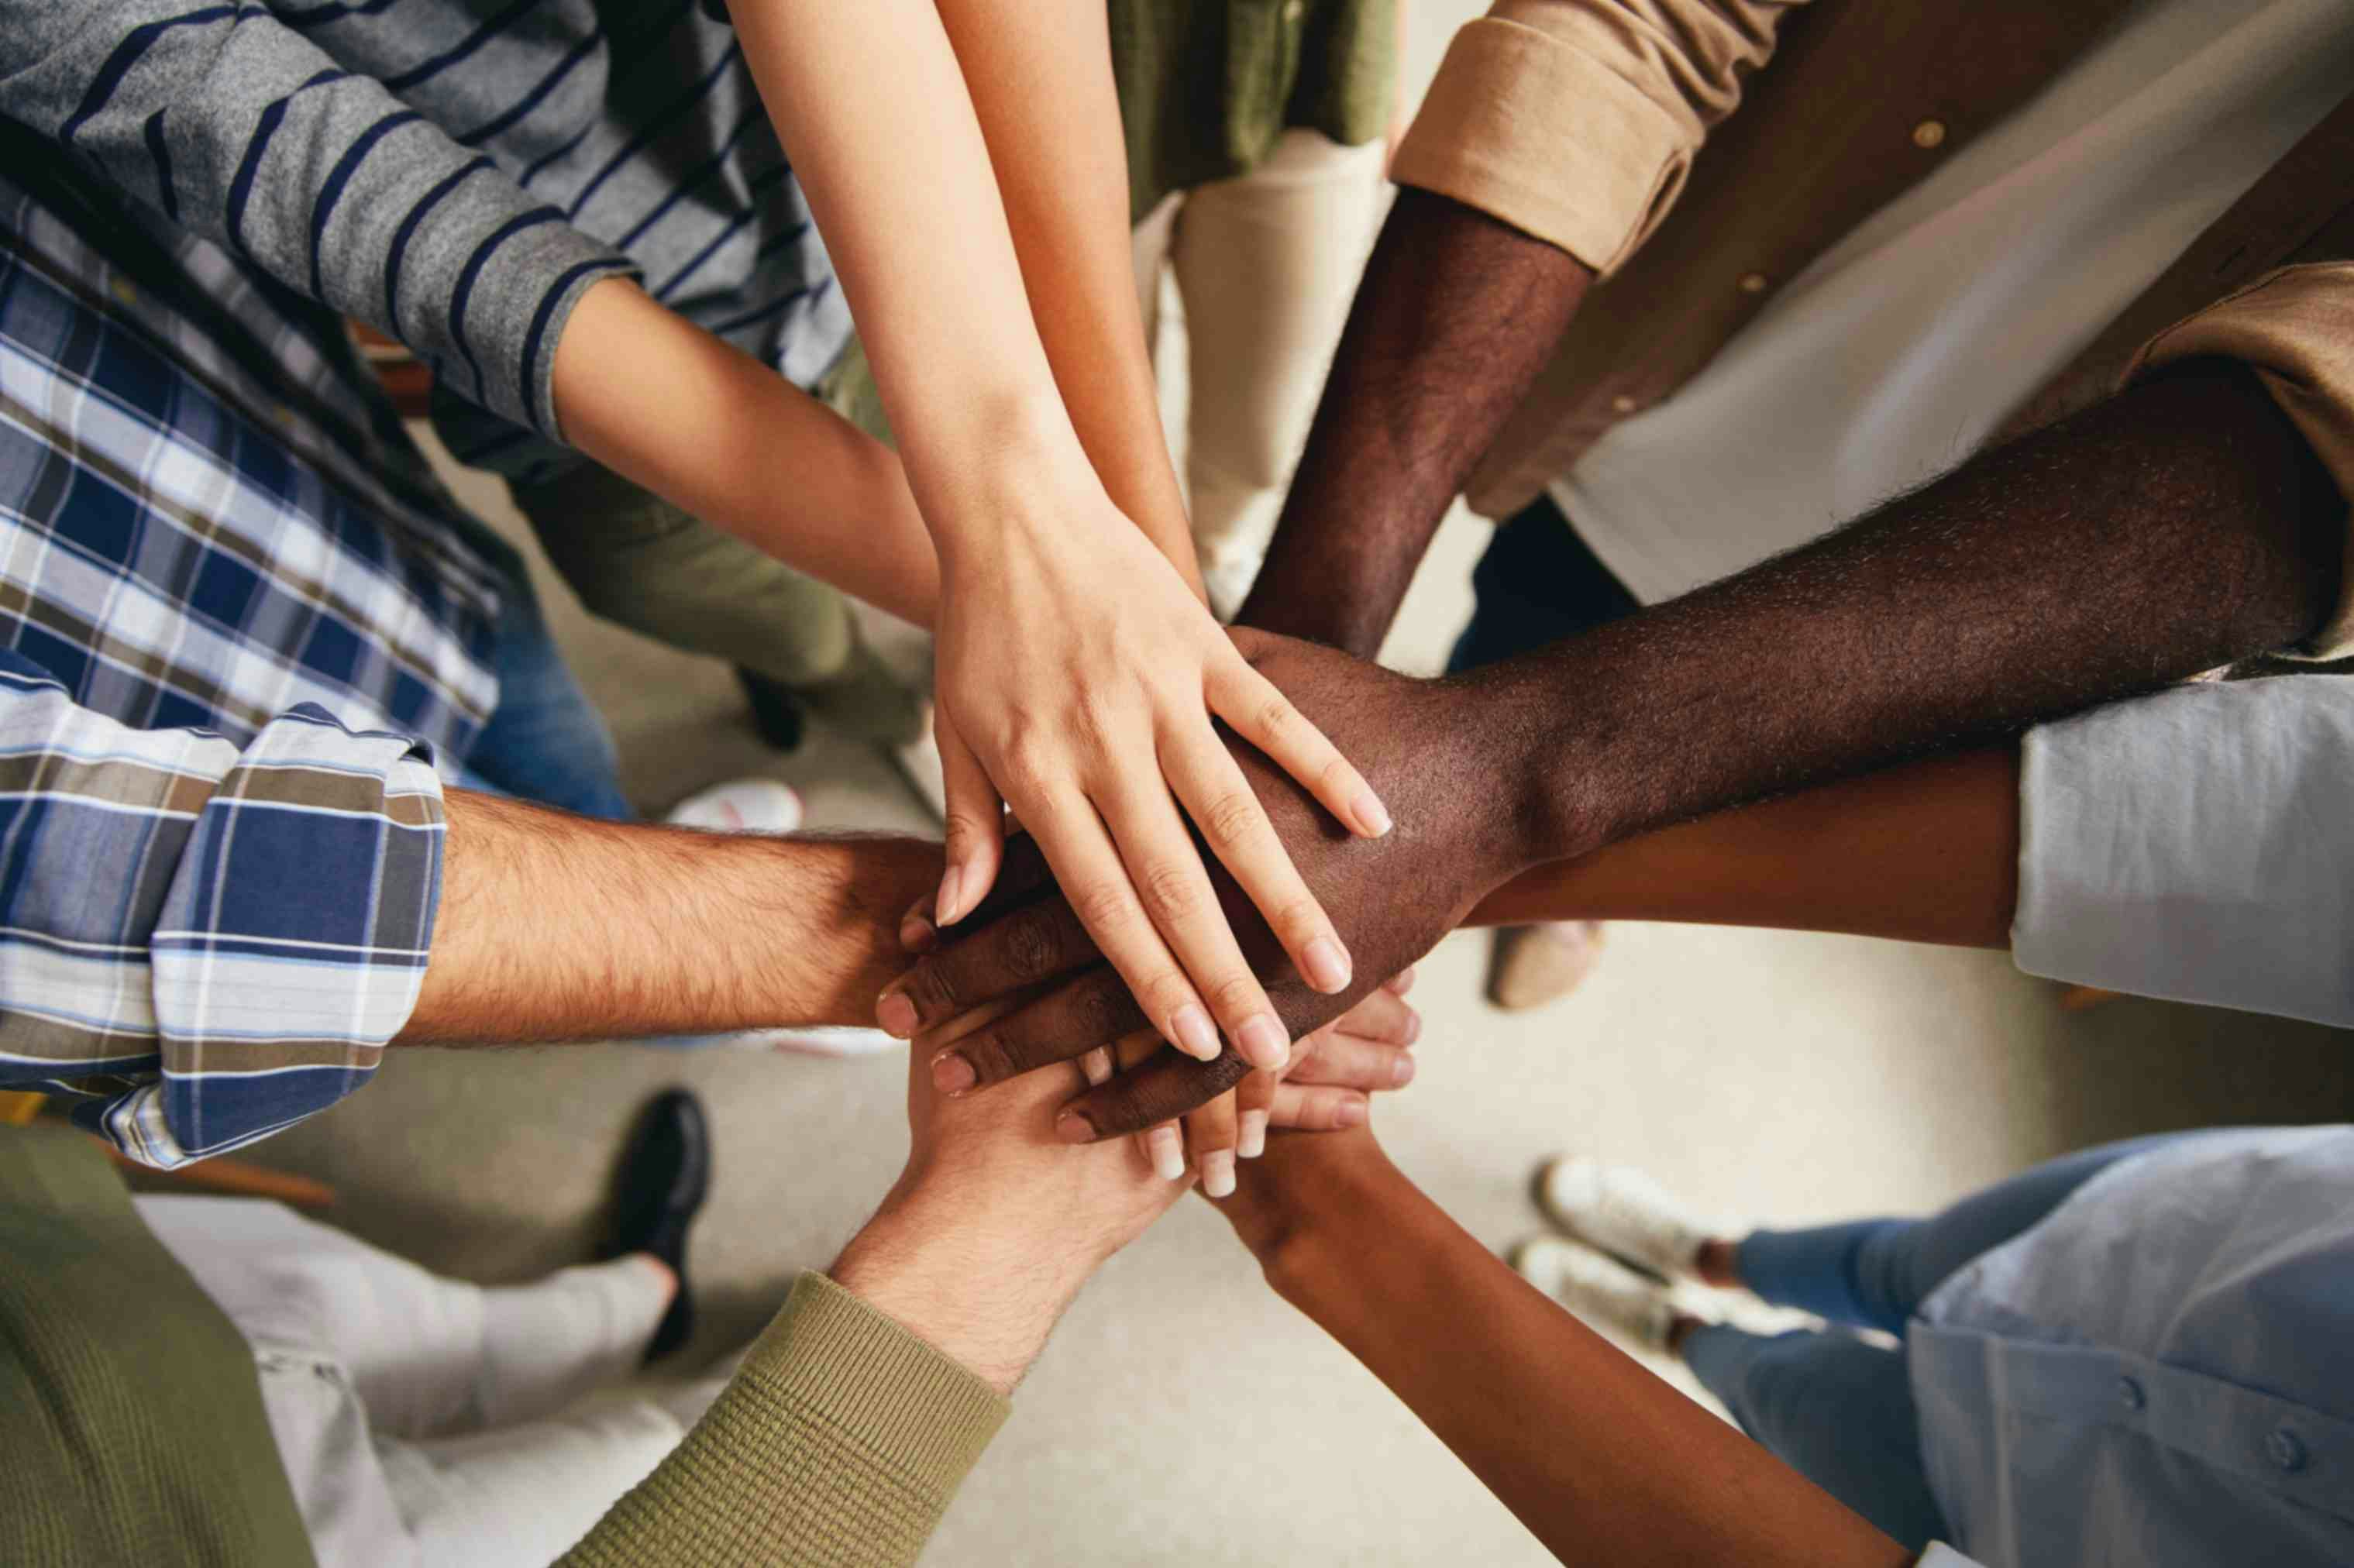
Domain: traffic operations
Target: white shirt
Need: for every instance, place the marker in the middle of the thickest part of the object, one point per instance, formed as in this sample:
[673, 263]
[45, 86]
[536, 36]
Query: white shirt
[2159, 1373]
[1898, 352]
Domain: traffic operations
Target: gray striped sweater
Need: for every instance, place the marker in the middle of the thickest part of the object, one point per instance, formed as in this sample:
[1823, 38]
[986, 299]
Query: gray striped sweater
[456, 173]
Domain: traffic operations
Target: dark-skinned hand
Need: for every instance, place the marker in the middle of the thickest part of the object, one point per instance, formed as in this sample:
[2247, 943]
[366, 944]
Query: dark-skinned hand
[1391, 898]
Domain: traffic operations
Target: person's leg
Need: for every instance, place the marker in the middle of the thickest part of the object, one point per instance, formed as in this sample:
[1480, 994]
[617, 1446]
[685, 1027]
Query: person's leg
[427, 1356]
[1834, 1408]
[1267, 264]
[546, 742]
[1875, 1273]
[638, 561]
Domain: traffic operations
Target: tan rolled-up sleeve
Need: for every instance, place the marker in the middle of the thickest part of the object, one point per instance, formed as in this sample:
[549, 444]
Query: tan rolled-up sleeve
[1575, 120]
[2295, 328]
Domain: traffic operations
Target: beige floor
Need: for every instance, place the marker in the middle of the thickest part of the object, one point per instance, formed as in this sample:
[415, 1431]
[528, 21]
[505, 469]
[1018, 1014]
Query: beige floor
[1183, 1415]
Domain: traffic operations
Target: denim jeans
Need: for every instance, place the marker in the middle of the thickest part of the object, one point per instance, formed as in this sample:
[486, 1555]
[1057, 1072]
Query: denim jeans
[1839, 1409]
[1538, 584]
[545, 741]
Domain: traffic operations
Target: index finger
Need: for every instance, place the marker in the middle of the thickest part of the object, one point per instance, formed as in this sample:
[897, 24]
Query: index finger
[1161, 1089]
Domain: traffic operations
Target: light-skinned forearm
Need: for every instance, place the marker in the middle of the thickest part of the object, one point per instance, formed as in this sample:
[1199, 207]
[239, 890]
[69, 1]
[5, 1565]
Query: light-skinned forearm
[871, 103]
[714, 431]
[1599, 1458]
[1456, 314]
[2175, 528]
[1925, 851]
[1040, 74]
[552, 926]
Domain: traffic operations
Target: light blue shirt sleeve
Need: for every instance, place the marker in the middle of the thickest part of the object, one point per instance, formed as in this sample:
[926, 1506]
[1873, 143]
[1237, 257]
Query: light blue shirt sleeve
[2196, 845]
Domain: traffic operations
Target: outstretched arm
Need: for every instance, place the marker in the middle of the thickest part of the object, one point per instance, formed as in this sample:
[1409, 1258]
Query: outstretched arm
[1456, 314]
[1602, 1461]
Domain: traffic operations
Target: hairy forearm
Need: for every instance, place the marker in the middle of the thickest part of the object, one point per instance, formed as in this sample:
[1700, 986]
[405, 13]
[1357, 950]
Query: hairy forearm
[1456, 314]
[1602, 1461]
[711, 429]
[556, 927]
[1924, 852]
[1040, 76]
[2170, 530]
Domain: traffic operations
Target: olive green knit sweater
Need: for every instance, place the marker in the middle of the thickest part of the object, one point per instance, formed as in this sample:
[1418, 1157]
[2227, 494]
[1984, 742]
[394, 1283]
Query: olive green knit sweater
[131, 1426]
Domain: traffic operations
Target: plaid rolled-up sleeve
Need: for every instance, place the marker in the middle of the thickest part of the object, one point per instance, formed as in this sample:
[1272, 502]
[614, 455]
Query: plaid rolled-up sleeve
[203, 942]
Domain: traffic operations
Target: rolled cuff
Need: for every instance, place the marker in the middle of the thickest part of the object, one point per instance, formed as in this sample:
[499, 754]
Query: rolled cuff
[2296, 328]
[2195, 845]
[1535, 132]
[293, 939]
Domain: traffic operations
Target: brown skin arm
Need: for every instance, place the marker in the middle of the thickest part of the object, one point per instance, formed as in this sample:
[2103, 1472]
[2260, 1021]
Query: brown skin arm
[1456, 314]
[1926, 852]
[2179, 527]
[552, 926]
[1602, 1461]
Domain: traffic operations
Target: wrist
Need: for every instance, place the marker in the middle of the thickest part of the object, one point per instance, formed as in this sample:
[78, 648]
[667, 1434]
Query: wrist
[1308, 1207]
[981, 1290]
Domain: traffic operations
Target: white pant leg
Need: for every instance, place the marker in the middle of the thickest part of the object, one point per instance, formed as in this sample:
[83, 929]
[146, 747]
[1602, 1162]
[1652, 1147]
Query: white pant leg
[522, 1494]
[428, 1355]
[1267, 264]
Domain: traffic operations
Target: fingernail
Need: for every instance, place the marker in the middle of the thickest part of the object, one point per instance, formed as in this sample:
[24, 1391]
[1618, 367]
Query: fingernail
[1168, 1153]
[1401, 982]
[1349, 1113]
[952, 1074]
[1412, 1029]
[1402, 1071]
[1096, 1066]
[952, 884]
[1218, 1173]
[1326, 964]
[1261, 1042]
[1372, 815]
[1250, 1141]
[1193, 1033]
[917, 935]
[1072, 1128]
[896, 1014]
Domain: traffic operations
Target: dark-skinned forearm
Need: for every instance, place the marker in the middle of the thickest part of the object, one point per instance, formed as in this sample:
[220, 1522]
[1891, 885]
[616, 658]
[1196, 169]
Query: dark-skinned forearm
[1599, 1458]
[1923, 851]
[1456, 314]
[552, 926]
[2175, 528]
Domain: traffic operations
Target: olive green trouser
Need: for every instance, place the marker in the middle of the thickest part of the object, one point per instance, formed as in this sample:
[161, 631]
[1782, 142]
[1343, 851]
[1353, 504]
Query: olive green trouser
[640, 562]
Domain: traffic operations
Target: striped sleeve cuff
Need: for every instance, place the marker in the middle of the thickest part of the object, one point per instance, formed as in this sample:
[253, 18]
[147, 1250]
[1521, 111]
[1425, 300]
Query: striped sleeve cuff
[841, 1440]
[291, 941]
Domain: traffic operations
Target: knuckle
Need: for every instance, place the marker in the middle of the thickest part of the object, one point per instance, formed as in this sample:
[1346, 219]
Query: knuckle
[1276, 715]
[1298, 919]
[1231, 820]
[1103, 906]
[1172, 892]
[1031, 951]
[1235, 996]
[1103, 1011]
[990, 1056]
[934, 990]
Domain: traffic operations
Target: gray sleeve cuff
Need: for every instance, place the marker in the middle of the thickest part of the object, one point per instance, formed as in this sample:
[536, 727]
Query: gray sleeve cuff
[2195, 845]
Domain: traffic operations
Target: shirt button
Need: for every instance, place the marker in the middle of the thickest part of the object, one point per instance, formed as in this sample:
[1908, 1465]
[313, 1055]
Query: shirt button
[2129, 1393]
[122, 289]
[1929, 133]
[2286, 1448]
[1622, 404]
[1753, 282]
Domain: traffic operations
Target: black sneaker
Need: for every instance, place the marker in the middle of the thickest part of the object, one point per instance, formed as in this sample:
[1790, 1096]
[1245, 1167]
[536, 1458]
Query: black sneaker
[665, 1173]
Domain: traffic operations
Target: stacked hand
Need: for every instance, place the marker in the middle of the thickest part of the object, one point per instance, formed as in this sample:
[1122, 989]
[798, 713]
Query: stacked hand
[1054, 999]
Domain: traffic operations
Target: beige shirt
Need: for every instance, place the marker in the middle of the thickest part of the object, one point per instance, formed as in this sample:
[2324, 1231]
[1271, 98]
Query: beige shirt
[1579, 122]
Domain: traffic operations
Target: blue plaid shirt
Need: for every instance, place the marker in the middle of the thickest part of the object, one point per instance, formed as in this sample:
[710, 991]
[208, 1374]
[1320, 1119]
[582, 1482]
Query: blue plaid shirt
[238, 622]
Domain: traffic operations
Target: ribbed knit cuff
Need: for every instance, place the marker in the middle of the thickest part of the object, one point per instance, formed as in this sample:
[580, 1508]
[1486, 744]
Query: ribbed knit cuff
[840, 1441]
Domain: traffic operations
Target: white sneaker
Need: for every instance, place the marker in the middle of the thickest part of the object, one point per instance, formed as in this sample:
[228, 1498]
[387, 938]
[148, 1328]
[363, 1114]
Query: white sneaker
[1623, 1212]
[740, 805]
[1604, 1293]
